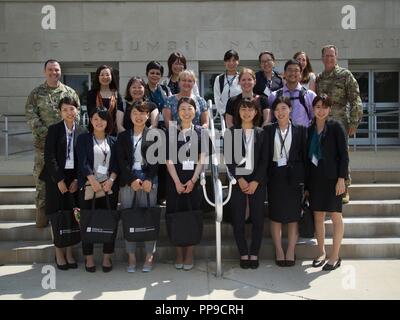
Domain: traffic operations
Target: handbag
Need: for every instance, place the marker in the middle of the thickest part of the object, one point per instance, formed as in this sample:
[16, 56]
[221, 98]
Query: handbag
[89, 193]
[141, 224]
[66, 231]
[99, 225]
[185, 228]
[306, 223]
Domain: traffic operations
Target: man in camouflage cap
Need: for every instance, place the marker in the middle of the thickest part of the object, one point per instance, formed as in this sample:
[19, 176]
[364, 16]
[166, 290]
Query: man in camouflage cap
[341, 86]
[41, 111]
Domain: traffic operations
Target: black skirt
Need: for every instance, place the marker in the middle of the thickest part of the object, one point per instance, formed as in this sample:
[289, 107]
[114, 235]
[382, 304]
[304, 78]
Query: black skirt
[284, 197]
[323, 191]
[55, 199]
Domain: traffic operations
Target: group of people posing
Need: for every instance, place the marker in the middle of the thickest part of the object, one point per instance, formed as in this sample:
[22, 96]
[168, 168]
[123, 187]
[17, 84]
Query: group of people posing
[293, 145]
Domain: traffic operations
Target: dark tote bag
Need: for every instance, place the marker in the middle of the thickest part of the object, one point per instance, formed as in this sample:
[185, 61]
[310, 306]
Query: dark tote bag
[99, 225]
[185, 228]
[141, 224]
[306, 223]
[66, 231]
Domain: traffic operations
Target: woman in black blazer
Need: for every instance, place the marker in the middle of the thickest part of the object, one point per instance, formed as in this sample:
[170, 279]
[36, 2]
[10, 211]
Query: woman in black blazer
[286, 145]
[60, 170]
[249, 171]
[328, 162]
[138, 177]
[98, 167]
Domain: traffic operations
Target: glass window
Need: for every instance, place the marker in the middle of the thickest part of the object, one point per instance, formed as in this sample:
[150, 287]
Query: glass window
[80, 84]
[362, 79]
[386, 87]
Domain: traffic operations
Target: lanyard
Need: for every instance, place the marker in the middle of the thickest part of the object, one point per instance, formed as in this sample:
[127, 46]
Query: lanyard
[188, 145]
[69, 144]
[105, 153]
[283, 148]
[230, 83]
[246, 140]
[137, 142]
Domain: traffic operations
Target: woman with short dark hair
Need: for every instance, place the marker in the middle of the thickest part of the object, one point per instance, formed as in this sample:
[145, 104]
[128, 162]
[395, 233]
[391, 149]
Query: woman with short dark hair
[250, 174]
[286, 176]
[176, 64]
[60, 171]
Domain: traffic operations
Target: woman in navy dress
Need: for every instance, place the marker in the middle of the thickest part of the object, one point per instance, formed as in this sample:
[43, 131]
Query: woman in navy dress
[328, 162]
[182, 180]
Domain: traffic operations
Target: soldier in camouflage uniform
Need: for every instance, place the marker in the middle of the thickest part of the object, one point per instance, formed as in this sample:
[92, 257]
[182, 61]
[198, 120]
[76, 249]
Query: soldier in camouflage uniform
[41, 112]
[341, 86]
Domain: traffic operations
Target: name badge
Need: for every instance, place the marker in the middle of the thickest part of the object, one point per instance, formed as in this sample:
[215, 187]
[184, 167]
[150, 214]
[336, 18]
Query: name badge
[102, 169]
[282, 162]
[188, 165]
[69, 164]
[314, 160]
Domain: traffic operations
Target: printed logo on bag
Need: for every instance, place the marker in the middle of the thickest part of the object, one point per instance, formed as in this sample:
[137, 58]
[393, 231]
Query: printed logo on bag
[144, 229]
[99, 230]
[69, 231]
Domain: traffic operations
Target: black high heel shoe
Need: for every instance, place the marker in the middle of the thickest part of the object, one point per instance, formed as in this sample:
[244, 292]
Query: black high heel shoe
[107, 269]
[254, 264]
[73, 265]
[61, 266]
[319, 263]
[291, 263]
[280, 263]
[90, 269]
[330, 267]
[244, 263]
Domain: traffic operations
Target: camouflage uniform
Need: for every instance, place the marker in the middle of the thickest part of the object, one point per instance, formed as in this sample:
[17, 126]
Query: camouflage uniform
[41, 111]
[341, 86]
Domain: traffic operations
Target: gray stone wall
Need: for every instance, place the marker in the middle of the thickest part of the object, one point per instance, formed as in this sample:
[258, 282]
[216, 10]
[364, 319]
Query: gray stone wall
[133, 32]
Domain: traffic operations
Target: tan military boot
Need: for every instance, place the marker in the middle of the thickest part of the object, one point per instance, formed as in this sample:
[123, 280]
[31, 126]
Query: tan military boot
[41, 218]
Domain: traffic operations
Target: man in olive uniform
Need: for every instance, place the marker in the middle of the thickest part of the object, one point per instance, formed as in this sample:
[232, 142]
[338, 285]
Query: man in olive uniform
[41, 112]
[341, 86]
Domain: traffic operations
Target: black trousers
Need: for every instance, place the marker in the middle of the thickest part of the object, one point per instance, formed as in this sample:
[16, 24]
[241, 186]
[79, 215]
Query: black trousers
[238, 205]
[101, 203]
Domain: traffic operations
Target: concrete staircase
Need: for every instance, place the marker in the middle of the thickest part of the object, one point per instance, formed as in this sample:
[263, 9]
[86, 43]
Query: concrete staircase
[372, 227]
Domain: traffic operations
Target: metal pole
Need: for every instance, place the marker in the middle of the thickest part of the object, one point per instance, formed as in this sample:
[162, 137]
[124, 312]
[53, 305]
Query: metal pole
[6, 136]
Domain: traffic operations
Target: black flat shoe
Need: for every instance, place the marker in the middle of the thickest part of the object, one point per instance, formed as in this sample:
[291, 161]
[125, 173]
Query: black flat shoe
[107, 269]
[254, 264]
[90, 269]
[330, 267]
[244, 264]
[61, 266]
[319, 263]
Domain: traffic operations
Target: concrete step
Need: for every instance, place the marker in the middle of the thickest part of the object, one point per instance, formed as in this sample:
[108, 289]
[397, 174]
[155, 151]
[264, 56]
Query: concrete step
[17, 196]
[375, 191]
[352, 248]
[16, 180]
[381, 208]
[17, 212]
[356, 208]
[353, 227]
[375, 176]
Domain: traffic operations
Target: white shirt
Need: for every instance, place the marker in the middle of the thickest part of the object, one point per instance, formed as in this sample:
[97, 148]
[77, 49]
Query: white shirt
[69, 163]
[99, 150]
[287, 137]
[231, 89]
[137, 155]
